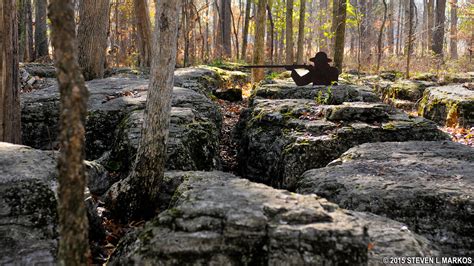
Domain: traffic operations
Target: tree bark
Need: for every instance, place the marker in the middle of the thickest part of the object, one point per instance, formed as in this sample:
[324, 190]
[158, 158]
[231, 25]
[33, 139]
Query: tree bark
[224, 31]
[25, 31]
[73, 223]
[430, 11]
[142, 16]
[300, 50]
[41, 30]
[453, 44]
[137, 195]
[271, 31]
[340, 33]
[259, 48]
[245, 30]
[92, 36]
[411, 7]
[438, 33]
[379, 42]
[10, 125]
[390, 27]
[289, 32]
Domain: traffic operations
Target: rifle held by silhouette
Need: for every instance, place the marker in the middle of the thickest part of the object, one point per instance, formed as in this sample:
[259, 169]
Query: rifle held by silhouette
[289, 67]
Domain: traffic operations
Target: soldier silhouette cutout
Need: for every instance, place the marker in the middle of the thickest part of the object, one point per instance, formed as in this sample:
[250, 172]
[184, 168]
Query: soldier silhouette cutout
[321, 73]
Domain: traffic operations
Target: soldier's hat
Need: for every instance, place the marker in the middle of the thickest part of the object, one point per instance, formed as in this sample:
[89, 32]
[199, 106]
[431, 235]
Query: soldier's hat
[320, 57]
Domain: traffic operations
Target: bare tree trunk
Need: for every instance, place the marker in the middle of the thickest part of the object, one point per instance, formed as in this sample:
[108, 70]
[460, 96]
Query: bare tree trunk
[300, 51]
[410, 14]
[323, 43]
[26, 51]
[245, 30]
[92, 36]
[41, 34]
[73, 223]
[379, 43]
[453, 44]
[10, 125]
[430, 14]
[225, 28]
[391, 28]
[289, 32]
[259, 48]
[399, 27]
[236, 34]
[271, 31]
[137, 195]
[340, 34]
[438, 34]
[144, 31]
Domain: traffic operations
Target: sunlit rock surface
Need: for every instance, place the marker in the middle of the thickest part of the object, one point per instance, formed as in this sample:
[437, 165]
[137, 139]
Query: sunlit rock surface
[427, 185]
[449, 105]
[281, 139]
[214, 217]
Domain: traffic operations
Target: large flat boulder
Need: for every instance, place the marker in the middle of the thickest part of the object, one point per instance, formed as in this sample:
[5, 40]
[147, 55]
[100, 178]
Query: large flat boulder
[281, 139]
[28, 205]
[216, 218]
[452, 106]
[111, 101]
[427, 185]
[193, 142]
[28, 218]
[327, 94]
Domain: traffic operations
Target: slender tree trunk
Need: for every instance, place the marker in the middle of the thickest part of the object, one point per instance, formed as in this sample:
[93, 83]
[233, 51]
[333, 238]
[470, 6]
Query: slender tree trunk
[271, 31]
[453, 44]
[430, 14]
[411, 7]
[41, 34]
[390, 28]
[137, 195]
[340, 34]
[438, 34]
[259, 48]
[323, 43]
[236, 34]
[245, 30]
[92, 36]
[300, 51]
[289, 32]
[73, 223]
[10, 125]
[379, 42]
[142, 16]
[225, 28]
[25, 32]
[399, 28]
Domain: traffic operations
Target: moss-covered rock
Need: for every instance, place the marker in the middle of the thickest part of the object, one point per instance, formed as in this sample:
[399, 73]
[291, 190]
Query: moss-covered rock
[429, 186]
[406, 90]
[192, 145]
[448, 105]
[324, 94]
[281, 139]
[217, 218]
[110, 101]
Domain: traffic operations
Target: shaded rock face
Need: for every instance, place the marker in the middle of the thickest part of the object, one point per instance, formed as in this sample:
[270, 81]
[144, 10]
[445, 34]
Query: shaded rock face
[215, 218]
[281, 139]
[323, 94]
[192, 145]
[111, 100]
[28, 219]
[408, 90]
[28, 205]
[427, 185]
[449, 105]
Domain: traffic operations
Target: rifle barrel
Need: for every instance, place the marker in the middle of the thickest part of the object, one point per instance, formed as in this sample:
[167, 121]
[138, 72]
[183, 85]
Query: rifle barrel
[276, 66]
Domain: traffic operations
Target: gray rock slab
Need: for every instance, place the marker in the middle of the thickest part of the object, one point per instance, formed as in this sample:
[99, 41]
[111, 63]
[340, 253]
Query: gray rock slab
[110, 101]
[427, 185]
[281, 139]
[214, 217]
[449, 105]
